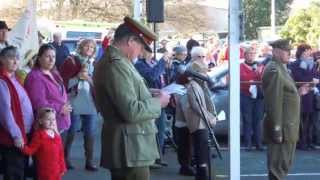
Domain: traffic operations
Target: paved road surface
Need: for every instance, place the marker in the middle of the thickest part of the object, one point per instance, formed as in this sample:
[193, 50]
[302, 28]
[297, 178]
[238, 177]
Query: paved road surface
[253, 166]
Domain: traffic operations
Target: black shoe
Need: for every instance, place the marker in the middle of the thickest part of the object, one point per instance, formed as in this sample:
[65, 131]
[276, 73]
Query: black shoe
[69, 165]
[249, 148]
[303, 148]
[312, 147]
[155, 166]
[298, 146]
[162, 163]
[214, 155]
[260, 148]
[187, 171]
[90, 167]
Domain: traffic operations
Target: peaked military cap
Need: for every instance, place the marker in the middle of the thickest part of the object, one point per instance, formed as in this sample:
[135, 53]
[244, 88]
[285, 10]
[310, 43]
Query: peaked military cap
[146, 35]
[283, 44]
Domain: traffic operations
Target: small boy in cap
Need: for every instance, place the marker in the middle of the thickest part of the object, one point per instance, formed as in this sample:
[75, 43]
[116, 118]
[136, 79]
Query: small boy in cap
[129, 143]
[3, 35]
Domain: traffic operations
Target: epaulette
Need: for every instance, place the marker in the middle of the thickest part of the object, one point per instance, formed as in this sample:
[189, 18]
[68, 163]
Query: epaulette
[114, 60]
[273, 69]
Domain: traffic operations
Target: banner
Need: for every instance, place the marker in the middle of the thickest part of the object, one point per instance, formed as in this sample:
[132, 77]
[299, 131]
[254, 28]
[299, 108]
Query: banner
[24, 35]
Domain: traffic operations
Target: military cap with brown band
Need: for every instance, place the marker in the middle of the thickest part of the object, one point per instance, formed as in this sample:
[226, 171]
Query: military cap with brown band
[283, 44]
[146, 35]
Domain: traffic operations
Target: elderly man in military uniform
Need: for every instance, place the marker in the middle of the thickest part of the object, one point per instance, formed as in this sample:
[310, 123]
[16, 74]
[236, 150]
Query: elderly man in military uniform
[129, 145]
[282, 103]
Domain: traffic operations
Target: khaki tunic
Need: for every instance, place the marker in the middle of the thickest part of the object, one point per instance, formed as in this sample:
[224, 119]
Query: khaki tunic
[282, 103]
[128, 109]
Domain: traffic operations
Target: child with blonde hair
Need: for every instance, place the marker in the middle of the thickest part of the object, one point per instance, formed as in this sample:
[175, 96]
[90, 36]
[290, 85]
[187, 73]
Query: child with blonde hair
[46, 146]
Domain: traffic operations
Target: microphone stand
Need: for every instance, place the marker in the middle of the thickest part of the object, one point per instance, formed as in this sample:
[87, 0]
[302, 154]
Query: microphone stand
[211, 134]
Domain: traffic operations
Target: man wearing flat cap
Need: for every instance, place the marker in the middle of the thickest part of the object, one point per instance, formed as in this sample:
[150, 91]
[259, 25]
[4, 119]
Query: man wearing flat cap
[128, 107]
[3, 35]
[282, 103]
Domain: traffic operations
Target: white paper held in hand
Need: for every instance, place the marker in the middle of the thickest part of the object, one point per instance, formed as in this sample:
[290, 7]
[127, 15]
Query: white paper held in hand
[175, 89]
[221, 116]
[254, 91]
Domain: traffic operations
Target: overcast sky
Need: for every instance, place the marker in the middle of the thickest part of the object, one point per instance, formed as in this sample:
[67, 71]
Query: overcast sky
[301, 3]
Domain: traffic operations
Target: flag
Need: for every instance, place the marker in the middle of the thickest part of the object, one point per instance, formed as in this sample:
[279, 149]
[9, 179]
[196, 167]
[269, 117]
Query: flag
[24, 35]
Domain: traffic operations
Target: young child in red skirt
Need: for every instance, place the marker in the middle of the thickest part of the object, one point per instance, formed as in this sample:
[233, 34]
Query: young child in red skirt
[46, 146]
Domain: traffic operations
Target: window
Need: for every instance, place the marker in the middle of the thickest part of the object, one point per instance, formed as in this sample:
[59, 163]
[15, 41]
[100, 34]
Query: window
[81, 35]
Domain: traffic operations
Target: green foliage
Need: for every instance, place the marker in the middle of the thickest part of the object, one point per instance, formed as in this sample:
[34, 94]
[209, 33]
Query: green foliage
[304, 26]
[257, 13]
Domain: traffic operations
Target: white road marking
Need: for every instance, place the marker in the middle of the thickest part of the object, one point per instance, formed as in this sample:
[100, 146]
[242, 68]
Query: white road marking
[265, 175]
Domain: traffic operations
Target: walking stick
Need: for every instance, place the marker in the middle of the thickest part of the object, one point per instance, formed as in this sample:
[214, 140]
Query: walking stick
[159, 147]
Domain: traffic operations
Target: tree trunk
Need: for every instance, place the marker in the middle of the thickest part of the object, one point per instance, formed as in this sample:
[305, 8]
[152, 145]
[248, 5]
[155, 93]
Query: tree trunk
[59, 9]
[75, 5]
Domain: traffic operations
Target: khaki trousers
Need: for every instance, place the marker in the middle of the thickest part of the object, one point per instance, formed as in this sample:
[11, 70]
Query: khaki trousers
[280, 157]
[130, 173]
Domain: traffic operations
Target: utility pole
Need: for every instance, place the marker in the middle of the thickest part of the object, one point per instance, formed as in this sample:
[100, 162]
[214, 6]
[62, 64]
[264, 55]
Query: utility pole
[273, 18]
[137, 9]
[234, 88]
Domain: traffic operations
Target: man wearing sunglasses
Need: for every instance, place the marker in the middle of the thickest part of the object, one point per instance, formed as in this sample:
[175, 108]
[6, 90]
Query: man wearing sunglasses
[128, 135]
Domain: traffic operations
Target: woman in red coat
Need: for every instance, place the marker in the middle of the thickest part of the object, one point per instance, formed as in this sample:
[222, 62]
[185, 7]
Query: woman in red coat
[46, 146]
[251, 101]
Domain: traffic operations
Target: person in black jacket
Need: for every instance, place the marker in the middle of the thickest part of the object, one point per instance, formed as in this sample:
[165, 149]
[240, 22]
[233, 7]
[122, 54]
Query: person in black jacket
[179, 54]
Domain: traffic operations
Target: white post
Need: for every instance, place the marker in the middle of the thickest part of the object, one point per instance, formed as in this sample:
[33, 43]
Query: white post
[137, 9]
[273, 17]
[234, 89]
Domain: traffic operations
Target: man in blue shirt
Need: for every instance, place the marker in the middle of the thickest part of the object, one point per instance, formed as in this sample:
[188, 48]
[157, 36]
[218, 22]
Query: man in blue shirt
[62, 51]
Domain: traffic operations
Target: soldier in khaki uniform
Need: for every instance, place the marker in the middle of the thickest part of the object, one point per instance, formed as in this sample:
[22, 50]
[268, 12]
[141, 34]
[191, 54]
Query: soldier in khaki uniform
[282, 102]
[128, 135]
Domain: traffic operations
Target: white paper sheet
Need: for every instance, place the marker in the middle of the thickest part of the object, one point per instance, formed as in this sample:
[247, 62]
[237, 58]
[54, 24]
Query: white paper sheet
[175, 89]
[221, 116]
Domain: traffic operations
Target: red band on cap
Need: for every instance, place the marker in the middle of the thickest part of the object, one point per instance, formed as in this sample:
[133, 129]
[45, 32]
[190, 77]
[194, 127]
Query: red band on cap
[137, 31]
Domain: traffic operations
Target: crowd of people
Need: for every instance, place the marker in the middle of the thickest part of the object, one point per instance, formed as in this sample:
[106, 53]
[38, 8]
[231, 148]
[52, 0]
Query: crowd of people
[57, 93]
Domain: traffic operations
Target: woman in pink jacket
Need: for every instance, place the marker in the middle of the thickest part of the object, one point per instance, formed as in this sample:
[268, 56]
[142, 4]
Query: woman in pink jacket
[45, 87]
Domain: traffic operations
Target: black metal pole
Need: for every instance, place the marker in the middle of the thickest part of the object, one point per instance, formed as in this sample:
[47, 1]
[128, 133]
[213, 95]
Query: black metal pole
[155, 41]
[159, 146]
